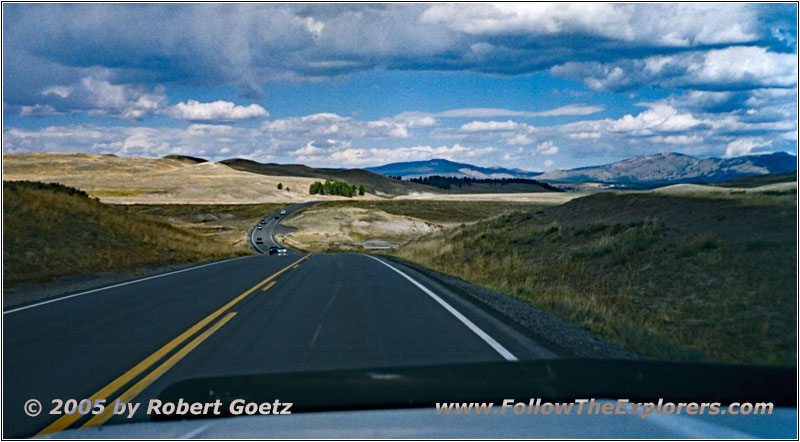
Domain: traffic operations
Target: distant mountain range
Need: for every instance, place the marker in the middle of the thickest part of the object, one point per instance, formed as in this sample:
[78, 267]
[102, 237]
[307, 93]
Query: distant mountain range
[442, 167]
[673, 168]
[664, 168]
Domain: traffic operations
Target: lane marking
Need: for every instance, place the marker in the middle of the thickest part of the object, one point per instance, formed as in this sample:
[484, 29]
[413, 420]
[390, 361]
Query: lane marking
[475, 329]
[146, 381]
[120, 285]
[65, 421]
[266, 287]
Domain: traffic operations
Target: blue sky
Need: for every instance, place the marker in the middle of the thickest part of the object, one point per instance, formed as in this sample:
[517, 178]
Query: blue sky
[536, 86]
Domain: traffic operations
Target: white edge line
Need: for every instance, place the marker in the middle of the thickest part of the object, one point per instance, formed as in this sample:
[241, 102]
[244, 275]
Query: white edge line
[475, 329]
[120, 285]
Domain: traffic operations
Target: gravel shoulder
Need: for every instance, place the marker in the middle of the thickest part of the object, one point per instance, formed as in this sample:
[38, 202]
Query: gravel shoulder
[562, 337]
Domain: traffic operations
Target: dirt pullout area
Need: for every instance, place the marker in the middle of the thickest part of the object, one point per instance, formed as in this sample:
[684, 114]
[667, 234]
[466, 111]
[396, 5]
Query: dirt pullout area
[351, 228]
[128, 180]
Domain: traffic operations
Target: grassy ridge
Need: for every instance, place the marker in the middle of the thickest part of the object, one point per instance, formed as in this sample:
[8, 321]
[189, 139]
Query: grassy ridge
[436, 211]
[670, 277]
[50, 230]
[228, 223]
[760, 180]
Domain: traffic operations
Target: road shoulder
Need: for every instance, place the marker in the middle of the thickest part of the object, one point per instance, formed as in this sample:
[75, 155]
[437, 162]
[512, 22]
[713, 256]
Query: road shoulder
[554, 333]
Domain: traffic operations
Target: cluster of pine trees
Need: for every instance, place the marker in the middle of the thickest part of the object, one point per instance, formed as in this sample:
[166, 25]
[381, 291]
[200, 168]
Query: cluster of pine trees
[336, 188]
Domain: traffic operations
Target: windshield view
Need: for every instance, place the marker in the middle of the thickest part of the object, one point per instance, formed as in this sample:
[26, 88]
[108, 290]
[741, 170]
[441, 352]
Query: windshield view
[434, 220]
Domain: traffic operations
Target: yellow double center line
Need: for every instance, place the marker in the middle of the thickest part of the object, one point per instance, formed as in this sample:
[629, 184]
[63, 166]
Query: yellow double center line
[65, 421]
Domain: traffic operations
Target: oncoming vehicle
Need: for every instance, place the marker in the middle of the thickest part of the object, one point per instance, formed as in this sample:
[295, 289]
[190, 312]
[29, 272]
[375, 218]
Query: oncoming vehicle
[283, 212]
[258, 228]
[259, 241]
[277, 250]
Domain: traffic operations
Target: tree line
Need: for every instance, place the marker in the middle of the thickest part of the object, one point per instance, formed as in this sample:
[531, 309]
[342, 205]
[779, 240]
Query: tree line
[336, 188]
[445, 182]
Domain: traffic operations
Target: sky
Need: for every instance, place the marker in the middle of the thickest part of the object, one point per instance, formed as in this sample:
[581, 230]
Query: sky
[535, 86]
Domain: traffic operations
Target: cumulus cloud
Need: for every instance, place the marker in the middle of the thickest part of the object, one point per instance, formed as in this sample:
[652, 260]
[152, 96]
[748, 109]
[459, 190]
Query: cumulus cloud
[546, 148]
[98, 96]
[343, 153]
[733, 68]
[743, 146]
[298, 130]
[284, 42]
[672, 25]
[488, 126]
[215, 111]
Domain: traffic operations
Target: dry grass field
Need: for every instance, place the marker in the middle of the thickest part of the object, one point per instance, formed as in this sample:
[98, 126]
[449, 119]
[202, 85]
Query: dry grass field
[124, 180]
[50, 230]
[677, 277]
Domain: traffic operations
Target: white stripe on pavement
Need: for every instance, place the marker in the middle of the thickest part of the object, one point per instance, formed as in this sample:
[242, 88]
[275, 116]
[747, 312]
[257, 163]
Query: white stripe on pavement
[120, 285]
[475, 329]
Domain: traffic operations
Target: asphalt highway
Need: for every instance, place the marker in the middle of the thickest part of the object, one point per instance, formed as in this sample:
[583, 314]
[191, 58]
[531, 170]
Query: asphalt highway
[256, 314]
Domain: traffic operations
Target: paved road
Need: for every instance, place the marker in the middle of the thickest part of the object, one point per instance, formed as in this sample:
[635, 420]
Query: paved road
[246, 315]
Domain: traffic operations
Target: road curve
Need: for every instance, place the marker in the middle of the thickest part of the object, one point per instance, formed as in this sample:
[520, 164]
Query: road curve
[267, 231]
[256, 314]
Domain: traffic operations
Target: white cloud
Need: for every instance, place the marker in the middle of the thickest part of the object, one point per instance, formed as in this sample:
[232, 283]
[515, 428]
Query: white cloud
[342, 153]
[193, 110]
[548, 163]
[671, 25]
[742, 65]
[733, 68]
[546, 148]
[311, 25]
[520, 140]
[298, 130]
[488, 126]
[97, 96]
[743, 146]
[37, 110]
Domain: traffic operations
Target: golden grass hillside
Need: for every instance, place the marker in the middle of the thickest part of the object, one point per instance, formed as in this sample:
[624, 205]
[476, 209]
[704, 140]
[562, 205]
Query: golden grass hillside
[671, 277]
[129, 180]
[355, 225]
[50, 230]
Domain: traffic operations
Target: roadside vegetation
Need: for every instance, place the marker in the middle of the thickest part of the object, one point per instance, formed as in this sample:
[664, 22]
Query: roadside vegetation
[51, 230]
[672, 277]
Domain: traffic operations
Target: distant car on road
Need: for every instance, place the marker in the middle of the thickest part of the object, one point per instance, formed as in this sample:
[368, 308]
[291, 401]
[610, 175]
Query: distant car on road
[259, 241]
[277, 250]
[258, 228]
[277, 216]
[283, 212]
[263, 221]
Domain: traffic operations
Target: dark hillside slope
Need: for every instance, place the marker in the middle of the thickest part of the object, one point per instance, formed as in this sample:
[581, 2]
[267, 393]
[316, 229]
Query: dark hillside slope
[374, 183]
[50, 230]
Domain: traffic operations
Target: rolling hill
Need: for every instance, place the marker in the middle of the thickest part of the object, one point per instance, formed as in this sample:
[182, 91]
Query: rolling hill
[673, 168]
[51, 230]
[375, 183]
